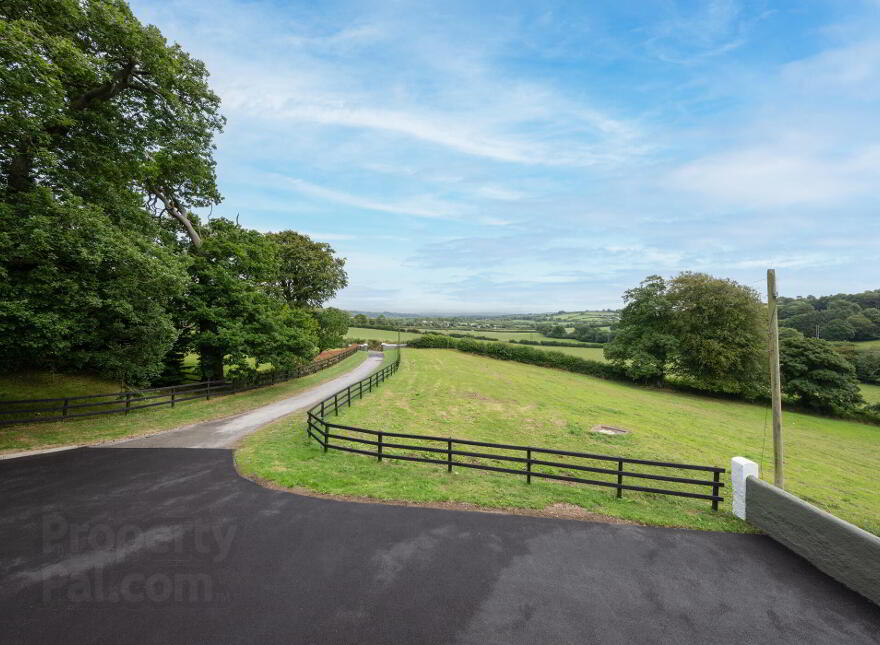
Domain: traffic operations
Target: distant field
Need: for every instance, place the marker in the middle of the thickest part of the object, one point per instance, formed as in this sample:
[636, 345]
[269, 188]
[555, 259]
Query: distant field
[500, 335]
[378, 334]
[831, 462]
[591, 353]
[867, 345]
[391, 336]
[870, 392]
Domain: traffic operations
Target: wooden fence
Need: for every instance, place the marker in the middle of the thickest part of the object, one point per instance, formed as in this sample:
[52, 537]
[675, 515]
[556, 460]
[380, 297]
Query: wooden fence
[533, 462]
[72, 407]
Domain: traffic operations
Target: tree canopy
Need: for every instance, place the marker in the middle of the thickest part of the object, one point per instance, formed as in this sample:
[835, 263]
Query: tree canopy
[817, 375]
[106, 147]
[705, 329]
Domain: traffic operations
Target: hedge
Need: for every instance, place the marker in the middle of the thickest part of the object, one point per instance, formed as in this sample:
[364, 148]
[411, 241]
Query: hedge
[512, 352]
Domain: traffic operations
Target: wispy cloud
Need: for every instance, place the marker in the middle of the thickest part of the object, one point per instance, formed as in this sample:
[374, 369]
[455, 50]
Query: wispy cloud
[420, 206]
[473, 156]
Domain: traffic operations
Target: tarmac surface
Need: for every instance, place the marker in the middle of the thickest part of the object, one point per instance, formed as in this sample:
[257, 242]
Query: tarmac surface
[170, 545]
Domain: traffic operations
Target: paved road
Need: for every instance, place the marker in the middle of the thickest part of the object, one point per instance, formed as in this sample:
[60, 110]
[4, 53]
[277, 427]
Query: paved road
[171, 546]
[224, 433]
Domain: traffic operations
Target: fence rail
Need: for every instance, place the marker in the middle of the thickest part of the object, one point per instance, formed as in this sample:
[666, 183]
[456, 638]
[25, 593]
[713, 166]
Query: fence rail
[90, 405]
[529, 457]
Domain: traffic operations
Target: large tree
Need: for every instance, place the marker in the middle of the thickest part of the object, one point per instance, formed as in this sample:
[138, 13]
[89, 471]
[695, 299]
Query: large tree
[817, 375]
[309, 273]
[97, 105]
[332, 327]
[103, 126]
[644, 345]
[720, 328]
[702, 328]
[233, 312]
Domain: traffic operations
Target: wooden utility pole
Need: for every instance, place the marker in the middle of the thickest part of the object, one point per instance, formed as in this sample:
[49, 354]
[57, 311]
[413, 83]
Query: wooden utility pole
[775, 386]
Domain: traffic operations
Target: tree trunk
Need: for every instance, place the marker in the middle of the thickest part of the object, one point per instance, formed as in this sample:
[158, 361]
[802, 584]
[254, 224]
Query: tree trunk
[211, 360]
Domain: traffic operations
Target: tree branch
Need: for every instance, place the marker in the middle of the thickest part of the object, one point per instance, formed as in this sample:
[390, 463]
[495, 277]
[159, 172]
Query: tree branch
[172, 207]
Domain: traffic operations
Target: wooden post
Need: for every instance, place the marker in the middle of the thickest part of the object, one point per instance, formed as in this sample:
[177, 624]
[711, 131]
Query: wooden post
[775, 385]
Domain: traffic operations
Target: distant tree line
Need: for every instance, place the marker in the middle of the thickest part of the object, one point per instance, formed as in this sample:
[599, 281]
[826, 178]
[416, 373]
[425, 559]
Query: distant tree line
[106, 147]
[841, 317]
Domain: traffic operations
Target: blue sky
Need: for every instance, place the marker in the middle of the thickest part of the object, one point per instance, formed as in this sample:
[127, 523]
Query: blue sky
[534, 156]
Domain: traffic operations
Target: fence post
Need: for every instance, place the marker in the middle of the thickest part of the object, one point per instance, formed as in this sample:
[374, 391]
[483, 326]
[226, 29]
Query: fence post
[336, 403]
[619, 478]
[208, 392]
[64, 411]
[326, 435]
[127, 401]
[449, 455]
[529, 466]
[380, 447]
[716, 479]
[349, 396]
[322, 408]
[172, 396]
[360, 390]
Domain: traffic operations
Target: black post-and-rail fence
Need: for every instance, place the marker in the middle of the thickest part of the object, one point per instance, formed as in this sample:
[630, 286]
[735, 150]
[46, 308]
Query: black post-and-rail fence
[541, 463]
[72, 407]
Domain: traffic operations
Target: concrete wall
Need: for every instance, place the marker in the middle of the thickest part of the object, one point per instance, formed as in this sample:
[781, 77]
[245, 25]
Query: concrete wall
[843, 551]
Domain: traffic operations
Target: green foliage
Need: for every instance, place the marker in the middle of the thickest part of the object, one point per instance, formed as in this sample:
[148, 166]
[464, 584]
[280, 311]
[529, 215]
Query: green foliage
[816, 375]
[868, 367]
[332, 327]
[644, 346]
[719, 328]
[309, 274]
[235, 316]
[703, 329]
[100, 120]
[841, 317]
[98, 105]
[838, 329]
[79, 293]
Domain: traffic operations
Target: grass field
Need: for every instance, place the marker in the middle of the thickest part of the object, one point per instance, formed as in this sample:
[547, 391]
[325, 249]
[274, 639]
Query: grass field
[378, 334]
[831, 463]
[114, 426]
[867, 345]
[871, 393]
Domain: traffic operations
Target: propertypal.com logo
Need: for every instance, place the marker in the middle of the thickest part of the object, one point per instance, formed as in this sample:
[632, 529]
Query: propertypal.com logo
[99, 562]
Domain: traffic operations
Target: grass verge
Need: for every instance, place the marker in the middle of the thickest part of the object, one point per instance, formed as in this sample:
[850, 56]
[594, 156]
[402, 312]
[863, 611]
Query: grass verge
[142, 422]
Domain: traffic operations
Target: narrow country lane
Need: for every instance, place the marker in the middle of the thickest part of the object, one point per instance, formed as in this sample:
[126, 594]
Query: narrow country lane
[224, 433]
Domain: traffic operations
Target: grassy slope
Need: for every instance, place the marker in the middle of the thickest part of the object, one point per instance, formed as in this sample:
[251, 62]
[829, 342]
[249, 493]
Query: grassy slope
[867, 345]
[114, 426]
[830, 462]
[870, 392]
[48, 385]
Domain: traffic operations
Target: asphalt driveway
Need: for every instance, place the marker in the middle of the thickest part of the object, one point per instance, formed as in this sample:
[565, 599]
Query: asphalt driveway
[170, 545]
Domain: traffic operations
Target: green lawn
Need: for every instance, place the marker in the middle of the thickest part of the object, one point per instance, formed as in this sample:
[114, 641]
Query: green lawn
[870, 392]
[115, 426]
[867, 345]
[831, 462]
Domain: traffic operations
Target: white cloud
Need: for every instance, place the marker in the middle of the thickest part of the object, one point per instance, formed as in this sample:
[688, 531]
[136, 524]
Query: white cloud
[770, 176]
[420, 206]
